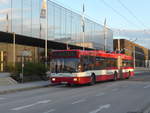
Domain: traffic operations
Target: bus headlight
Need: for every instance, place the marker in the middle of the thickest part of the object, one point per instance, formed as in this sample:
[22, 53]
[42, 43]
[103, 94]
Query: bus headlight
[75, 79]
[53, 79]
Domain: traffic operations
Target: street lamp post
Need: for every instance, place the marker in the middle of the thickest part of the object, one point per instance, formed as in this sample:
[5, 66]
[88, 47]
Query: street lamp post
[119, 45]
[44, 15]
[134, 53]
[22, 69]
[105, 41]
[14, 49]
[11, 13]
[83, 26]
[46, 32]
[134, 56]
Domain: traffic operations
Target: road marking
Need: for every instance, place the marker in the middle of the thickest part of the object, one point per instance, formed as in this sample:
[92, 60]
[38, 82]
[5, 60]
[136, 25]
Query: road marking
[124, 86]
[49, 111]
[100, 108]
[115, 89]
[2, 98]
[30, 105]
[147, 86]
[100, 94]
[78, 101]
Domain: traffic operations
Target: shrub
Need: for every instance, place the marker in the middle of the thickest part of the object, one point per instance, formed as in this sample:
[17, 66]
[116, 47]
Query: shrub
[14, 70]
[32, 71]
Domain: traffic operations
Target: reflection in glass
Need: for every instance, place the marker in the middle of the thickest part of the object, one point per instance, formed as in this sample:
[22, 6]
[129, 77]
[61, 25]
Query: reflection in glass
[63, 24]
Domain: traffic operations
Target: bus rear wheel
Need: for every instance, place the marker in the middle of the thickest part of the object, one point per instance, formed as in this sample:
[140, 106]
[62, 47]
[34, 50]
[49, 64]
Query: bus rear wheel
[129, 74]
[115, 76]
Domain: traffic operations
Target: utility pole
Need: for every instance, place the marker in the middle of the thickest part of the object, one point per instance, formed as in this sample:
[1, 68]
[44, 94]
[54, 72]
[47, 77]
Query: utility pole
[14, 49]
[134, 53]
[31, 17]
[40, 34]
[105, 40]
[7, 23]
[83, 26]
[46, 37]
[22, 16]
[118, 45]
[11, 13]
[134, 56]
[44, 15]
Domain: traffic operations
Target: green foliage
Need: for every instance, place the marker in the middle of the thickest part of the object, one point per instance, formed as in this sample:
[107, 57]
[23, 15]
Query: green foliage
[14, 70]
[34, 69]
[31, 72]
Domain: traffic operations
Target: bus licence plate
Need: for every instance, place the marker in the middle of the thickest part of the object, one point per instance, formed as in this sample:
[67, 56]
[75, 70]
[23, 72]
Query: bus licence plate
[64, 82]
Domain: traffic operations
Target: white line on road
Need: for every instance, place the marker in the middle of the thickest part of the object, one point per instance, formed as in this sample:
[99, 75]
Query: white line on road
[115, 89]
[78, 101]
[147, 86]
[49, 111]
[124, 86]
[30, 105]
[100, 94]
[100, 108]
[2, 98]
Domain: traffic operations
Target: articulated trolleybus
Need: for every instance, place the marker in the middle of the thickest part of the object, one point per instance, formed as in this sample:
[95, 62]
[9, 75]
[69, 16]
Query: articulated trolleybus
[88, 67]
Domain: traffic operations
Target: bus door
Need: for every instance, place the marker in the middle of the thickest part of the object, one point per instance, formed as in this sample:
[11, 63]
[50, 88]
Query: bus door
[119, 62]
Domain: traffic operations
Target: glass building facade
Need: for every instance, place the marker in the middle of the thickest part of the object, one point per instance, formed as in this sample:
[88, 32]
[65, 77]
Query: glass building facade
[64, 25]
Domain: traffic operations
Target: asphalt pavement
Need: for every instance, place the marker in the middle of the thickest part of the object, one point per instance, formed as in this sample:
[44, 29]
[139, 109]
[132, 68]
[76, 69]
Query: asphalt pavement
[123, 96]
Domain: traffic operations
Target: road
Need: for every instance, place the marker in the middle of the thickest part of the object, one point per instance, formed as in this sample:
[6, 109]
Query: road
[123, 96]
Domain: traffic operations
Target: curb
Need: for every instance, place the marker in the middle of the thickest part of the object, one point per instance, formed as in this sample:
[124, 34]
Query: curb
[139, 72]
[22, 89]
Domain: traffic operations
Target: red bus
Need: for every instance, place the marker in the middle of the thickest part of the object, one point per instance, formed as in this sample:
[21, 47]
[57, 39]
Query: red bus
[88, 67]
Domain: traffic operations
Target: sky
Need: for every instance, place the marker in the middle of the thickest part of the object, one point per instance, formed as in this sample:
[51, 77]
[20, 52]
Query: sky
[128, 19]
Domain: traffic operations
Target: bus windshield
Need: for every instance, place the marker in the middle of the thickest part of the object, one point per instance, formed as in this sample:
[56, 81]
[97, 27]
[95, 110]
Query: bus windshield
[64, 65]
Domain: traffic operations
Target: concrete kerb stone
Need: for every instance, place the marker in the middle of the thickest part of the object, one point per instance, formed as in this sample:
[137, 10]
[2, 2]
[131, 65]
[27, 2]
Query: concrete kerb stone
[22, 89]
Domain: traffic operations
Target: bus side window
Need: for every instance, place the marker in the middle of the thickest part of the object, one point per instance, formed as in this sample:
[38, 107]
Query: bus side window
[91, 62]
[108, 63]
[84, 62]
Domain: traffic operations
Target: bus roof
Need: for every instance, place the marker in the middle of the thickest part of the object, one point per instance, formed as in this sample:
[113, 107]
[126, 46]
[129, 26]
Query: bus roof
[98, 53]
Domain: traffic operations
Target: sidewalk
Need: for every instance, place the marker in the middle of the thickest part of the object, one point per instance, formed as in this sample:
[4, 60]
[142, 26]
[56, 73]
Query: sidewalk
[141, 69]
[24, 86]
[3, 74]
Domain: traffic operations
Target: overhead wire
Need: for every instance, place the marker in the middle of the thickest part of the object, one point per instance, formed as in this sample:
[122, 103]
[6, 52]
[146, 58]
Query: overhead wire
[118, 13]
[134, 16]
[131, 13]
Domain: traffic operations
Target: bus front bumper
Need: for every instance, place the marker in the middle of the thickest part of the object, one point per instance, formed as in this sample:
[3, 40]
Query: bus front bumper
[70, 80]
